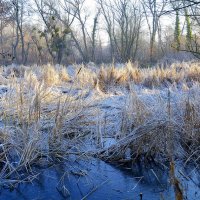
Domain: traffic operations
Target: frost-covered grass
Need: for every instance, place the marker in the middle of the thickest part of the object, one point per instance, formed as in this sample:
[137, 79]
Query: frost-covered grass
[179, 73]
[119, 114]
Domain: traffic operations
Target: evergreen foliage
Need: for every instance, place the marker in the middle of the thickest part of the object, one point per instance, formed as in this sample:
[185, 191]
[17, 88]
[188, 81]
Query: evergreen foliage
[177, 33]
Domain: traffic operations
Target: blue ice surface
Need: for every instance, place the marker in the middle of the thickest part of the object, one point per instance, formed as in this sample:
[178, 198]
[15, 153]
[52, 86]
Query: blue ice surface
[100, 181]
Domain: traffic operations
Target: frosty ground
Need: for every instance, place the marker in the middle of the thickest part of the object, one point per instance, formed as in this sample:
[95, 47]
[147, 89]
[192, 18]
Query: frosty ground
[120, 114]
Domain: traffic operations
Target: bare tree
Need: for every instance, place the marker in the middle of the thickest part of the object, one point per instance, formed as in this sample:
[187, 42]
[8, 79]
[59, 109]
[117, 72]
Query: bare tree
[153, 10]
[6, 19]
[85, 39]
[123, 21]
[105, 9]
[19, 8]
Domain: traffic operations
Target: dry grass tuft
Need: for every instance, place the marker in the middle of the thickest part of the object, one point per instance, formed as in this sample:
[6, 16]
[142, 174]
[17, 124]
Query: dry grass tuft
[85, 77]
[50, 75]
[111, 77]
[64, 76]
[54, 75]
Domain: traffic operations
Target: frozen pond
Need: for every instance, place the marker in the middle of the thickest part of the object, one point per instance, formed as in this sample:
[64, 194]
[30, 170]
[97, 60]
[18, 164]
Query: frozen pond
[95, 179]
